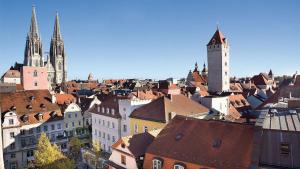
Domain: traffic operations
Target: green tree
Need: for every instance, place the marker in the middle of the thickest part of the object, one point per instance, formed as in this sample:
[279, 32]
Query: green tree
[48, 156]
[97, 151]
[75, 146]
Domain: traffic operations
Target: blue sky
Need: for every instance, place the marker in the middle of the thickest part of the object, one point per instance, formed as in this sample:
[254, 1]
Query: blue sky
[157, 38]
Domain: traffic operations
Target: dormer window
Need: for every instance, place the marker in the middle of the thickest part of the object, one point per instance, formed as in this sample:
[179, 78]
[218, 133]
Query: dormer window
[29, 107]
[98, 109]
[25, 118]
[13, 108]
[107, 110]
[31, 98]
[103, 110]
[40, 116]
[11, 121]
[53, 114]
[156, 164]
[179, 166]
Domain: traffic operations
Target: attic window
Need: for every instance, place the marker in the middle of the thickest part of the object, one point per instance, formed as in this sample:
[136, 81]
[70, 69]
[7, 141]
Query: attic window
[178, 136]
[29, 107]
[53, 113]
[31, 98]
[40, 116]
[43, 105]
[123, 145]
[217, 143]
[13, 108]
[25, 118]
[244, 102]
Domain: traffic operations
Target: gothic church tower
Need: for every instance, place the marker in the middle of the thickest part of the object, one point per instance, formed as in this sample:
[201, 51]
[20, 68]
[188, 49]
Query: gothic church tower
[57, 54]
[33, 50]
[218, 63]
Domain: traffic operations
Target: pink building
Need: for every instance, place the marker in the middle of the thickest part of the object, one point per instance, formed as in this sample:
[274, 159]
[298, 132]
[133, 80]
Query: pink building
[34, 78]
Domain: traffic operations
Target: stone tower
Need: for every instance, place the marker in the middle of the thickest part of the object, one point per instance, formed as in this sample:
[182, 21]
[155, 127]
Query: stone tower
[58, 57]
[33, 49]
[218, 63]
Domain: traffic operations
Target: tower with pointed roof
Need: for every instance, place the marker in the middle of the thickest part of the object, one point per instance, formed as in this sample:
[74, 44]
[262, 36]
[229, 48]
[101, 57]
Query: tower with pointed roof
[218, 63]
[58, 57]
[33, 49]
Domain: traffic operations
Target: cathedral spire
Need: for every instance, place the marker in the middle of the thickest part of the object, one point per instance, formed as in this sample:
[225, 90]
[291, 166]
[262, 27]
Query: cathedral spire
[56, 33]
[34, 30]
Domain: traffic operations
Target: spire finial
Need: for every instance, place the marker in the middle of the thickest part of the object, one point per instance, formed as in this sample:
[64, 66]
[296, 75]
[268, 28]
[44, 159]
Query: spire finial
[56, 33]
[217, 25]
[33, 26]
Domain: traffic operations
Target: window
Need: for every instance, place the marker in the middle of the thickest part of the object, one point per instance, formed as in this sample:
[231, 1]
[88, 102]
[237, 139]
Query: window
[36, 48]
[177, 166]
[113, 125]
[113, 111]
[52, 127]
[99, 121]
[99, 133]
[12, 146]
[136, 128]
[145, 128]
[38, 129]
[13, 155]
[170, 116]
[103, 122]
[113, 138]
[156, 164]
[108, 124]
[45, 128]
[108, 137]
[59, 65]
[225, 73]
[22, 132]
[73, 124]
[123, 159]
[13, 165]
[79, 123]
[70, 115]
[102, 110]
[67, 125]
[285, 148]
[11, 121]
[58, 126]
[103, 135]
[107, 110]
[95, 132]
[12, 135]
[34, 73]
[124, 128]
[30, 131]
[75, 115]
[29, 153]
[225, 63]
[35, 84]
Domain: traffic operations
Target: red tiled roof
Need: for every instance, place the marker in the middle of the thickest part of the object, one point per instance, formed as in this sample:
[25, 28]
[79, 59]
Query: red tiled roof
[12, 74]
[30, 103]
[218, 38]
[158, 109]
[64, 99]
[215, 144]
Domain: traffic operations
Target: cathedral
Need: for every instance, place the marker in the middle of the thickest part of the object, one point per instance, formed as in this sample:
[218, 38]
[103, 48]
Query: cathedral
[56, 62]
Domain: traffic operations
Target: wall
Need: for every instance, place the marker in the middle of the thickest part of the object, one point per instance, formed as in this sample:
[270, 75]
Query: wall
[100, 124]
[28, 78]
[217, 104]
[141, 123]
[270, 148]
[116, 158]
[12, 80]
[168, 163]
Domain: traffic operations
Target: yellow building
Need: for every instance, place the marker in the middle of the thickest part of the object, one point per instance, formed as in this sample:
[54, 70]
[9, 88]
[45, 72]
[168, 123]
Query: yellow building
[156, 114]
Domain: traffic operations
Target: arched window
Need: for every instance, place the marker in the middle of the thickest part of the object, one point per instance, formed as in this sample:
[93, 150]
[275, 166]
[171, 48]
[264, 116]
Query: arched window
[36, 63]
[59, 50]
[59, 65]
[36, 48]
[35, 73]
